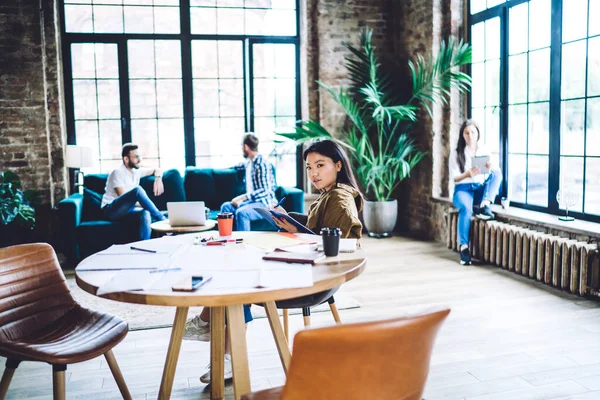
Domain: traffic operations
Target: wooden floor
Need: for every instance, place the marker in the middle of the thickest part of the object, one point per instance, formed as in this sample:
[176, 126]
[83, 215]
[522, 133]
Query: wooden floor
[506, 338]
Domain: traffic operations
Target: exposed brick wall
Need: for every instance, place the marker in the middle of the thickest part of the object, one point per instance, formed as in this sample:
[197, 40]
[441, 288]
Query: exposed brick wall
[31, 137]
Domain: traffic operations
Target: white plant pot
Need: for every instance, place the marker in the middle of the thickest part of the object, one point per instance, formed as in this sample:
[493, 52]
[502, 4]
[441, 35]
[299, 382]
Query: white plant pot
[380, 217]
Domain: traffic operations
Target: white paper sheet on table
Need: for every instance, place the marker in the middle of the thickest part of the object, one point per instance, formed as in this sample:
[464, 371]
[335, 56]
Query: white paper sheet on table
[295, 276]
[132, 280]
[119, 257]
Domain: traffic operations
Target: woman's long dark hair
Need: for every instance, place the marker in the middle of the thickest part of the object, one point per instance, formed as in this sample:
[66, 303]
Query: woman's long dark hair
[462, 143]
[331, 149]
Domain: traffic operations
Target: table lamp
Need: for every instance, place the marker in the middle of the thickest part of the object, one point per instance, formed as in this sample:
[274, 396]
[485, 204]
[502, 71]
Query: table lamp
[79, 157]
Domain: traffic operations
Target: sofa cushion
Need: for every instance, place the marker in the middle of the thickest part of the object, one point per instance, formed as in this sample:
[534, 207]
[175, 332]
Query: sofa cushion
[200, 186]
[96, 182]
[92, 202]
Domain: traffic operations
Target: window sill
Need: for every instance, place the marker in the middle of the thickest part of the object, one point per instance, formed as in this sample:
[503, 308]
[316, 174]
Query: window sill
[550, 221]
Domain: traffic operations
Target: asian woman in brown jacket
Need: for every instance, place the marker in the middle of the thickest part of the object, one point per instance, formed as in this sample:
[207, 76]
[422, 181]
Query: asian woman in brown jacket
[329, 170]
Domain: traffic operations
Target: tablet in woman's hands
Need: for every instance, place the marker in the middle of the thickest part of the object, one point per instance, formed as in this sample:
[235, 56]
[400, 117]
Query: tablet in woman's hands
[480, 162]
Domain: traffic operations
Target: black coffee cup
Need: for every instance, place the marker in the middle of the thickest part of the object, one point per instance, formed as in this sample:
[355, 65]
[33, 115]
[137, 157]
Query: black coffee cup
[331, 241]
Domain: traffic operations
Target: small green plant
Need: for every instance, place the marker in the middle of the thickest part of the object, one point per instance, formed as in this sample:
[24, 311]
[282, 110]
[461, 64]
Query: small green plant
[379, 139]
[16, 205]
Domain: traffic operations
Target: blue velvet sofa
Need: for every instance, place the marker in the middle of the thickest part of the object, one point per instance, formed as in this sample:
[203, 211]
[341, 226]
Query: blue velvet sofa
[84, 230]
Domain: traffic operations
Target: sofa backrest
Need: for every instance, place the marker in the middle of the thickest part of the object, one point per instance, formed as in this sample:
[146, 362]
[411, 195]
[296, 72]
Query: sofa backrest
[213, 186]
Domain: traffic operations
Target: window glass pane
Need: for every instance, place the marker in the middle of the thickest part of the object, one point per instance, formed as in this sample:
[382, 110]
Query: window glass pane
[573, 70]
[539, 21]
[592, 186]
[539, 75]
[108, 19]
[594, 65]
[492, 39]
[166, 20]
[78, 18]
[231, 97]
[518, 28]
[168, 58]
[493, 3]
[230, 21]
[264, 97]
[538, 135]
[145, 133]
[517, 129]
[203, 20]
[285, 62]
[594, 18]
[593, 127]
[517, 84]
[231, 63]
[87, 136]
[171, 144]
[83, 60]
[492, 129]
[107, 63]
[537, 180]
[517, 178]
[285, 165]
[169, 98]
[492, 84]
[204, 59]
[141, 59]
[142, 98]
[270, 22]
[477, 6]
[109, 99]
[478, 85]
[478, 42]
[206, 97]
[84, 99]
[139, 19]
[204, 130]
[574, 23]
[572, 123]
[285, 97]
[478, 115]
[571, 180]
[110, 139]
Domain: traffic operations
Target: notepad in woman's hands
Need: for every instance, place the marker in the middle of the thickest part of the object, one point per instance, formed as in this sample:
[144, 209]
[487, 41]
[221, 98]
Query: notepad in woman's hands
[269, 214]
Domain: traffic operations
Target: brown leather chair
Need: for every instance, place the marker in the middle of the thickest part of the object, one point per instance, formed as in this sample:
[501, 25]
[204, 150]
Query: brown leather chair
[385, 360]
[40, 320]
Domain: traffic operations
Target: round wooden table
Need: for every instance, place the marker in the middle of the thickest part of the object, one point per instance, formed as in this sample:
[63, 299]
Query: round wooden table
[163, 227]
[329, 273]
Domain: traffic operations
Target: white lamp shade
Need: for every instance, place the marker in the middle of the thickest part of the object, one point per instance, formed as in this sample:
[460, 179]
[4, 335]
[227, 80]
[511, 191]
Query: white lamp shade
[79, 157]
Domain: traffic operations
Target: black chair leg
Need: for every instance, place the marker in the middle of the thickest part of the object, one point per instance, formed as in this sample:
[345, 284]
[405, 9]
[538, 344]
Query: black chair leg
[9, 371]
[306, 315]
[59, 381]
[334, 310]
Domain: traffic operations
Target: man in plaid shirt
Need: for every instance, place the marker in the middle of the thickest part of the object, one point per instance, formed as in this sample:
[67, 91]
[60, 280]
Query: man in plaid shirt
[260, 186]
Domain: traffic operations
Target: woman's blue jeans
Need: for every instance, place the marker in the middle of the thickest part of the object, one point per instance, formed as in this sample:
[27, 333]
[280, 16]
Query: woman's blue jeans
[468, 194]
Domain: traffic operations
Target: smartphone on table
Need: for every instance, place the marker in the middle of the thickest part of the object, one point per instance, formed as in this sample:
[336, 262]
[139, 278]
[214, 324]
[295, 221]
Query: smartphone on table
[191, 283]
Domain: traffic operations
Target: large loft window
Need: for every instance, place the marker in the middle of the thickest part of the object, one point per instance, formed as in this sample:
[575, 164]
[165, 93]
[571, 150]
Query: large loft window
[548, 92]
[183, 79]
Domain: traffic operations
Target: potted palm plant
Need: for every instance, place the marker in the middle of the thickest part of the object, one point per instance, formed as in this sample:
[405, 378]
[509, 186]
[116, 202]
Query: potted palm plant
[378, 137]
[17, 215]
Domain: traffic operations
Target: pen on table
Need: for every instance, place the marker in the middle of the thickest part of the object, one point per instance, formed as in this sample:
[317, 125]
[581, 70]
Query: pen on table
[223, 241]
[165, 270]
[139, 249]
[280, 202]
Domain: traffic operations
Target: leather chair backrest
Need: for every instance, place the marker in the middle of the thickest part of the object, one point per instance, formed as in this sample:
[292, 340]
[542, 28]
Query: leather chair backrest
[387, 360]
[33, 290]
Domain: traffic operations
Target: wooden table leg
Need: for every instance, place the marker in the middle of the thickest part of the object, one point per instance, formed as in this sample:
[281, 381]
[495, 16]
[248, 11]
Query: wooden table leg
[173, 353]
[217, 352]
[239, 352]
[280, 340]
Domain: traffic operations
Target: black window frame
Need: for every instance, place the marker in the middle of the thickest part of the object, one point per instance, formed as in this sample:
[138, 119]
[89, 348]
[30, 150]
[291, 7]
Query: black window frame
[185, 37]
[502, 11]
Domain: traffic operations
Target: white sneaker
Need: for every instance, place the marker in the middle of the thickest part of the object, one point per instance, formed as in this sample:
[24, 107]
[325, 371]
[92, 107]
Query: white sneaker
[228, 371]
[196, 329]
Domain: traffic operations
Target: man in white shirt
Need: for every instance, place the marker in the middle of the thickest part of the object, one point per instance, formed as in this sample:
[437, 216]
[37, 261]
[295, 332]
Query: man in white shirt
[123, 191]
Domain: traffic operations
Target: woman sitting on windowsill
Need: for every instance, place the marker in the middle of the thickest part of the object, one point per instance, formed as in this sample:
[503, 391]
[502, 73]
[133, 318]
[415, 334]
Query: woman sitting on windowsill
[471, 186]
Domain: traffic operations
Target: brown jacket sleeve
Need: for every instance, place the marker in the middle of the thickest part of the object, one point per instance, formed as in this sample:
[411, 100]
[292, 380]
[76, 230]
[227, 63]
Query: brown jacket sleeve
[340, 212]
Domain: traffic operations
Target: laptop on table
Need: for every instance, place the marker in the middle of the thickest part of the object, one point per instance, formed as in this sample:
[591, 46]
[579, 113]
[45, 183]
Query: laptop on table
[186, 213]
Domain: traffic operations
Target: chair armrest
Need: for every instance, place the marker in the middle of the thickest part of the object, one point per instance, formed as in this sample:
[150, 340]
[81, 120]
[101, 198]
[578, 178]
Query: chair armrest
[294, 198]
[69, 217]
